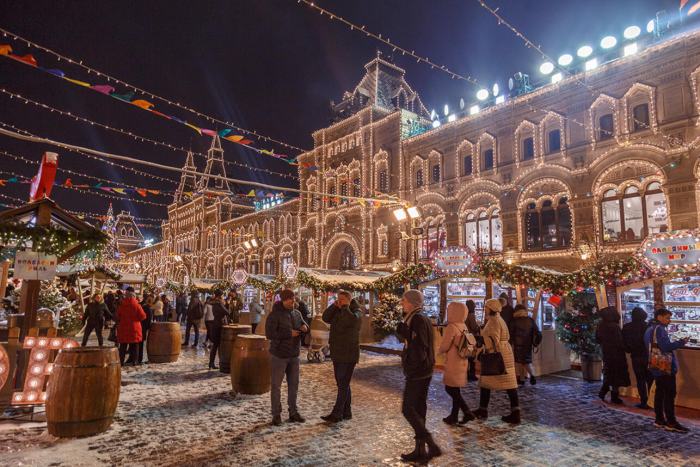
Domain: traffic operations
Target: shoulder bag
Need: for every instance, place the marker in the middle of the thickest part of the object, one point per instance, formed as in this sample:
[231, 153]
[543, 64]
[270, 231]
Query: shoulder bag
[658, 359]
[492, 363]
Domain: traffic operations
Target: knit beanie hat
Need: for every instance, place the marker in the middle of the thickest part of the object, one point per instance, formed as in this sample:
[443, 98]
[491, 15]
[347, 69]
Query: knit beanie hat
[414, 297]
[493, 304]
[286, 294]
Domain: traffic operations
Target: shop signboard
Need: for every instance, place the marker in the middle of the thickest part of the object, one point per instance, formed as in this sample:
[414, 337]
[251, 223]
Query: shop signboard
[239, 276]
[35, 266]
[454, 260]
[671, 251]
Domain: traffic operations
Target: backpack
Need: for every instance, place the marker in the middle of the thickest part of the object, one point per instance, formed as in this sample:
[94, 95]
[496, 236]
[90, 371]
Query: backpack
[199, 311]
[466, 345]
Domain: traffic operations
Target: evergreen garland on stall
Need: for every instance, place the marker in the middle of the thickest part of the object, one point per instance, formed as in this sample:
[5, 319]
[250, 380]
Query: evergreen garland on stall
[576, 329]
[387, 314]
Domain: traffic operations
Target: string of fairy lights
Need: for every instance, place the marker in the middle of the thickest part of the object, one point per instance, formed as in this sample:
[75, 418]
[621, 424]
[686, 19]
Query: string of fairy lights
[135, 136]
[29, 161]
[144, 92]
[113, 164]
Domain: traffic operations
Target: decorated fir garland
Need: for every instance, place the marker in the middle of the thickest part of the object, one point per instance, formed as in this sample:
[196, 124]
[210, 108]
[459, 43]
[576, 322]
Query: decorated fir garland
[94, 268]
[50, 240]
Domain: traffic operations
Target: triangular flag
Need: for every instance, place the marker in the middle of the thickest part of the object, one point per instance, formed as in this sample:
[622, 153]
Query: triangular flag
[260, 194]
[119, 190]
[125, 97]
[225, 132]
[82, 83]
[68, 183]
[192, 126]
[252, 193]
[362, 202]
[141, 192]
[5, 50]
[143, 104]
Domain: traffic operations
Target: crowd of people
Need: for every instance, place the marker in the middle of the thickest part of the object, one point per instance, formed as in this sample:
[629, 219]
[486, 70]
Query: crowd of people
[660, 367]
[504, 345]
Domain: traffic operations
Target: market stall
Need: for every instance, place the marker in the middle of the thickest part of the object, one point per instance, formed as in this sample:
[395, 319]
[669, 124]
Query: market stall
[674, 258]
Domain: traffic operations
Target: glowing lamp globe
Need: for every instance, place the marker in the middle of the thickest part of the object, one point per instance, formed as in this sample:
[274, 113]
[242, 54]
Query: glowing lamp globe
[546, 68]
[585, 51]
[632, 32]
[608, 42]
[565, 60]
[482, 94]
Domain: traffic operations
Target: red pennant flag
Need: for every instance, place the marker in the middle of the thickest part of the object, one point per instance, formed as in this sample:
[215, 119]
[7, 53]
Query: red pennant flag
[68, 183]
[141, 192]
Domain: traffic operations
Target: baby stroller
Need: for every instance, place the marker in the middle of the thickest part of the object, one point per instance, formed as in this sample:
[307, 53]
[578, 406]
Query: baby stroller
[318, 347]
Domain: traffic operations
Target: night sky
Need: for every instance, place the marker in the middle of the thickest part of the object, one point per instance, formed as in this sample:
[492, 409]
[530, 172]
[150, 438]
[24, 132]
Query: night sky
[271, 66]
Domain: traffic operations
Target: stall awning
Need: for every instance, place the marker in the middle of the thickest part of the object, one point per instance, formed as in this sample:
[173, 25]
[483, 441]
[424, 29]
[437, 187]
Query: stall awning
[343, 277]
[200, 284]
[65, 270]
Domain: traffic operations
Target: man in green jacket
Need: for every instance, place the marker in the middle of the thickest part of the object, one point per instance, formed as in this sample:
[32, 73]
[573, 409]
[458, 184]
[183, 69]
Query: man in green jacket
[345, 318]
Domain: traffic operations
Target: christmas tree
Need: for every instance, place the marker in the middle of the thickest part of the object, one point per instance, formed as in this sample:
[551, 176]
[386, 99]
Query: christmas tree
[576, 329]
[387, 314]
[110, 252]
[69, 317]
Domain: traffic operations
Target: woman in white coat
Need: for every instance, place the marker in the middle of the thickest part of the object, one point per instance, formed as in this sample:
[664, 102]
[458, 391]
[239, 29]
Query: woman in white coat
[495, 336]
[455, 374]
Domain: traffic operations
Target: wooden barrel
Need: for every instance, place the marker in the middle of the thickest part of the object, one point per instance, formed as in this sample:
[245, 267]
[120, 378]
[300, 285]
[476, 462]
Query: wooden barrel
[164, 341]
[228, 337]
[83, 391]
[250, 365]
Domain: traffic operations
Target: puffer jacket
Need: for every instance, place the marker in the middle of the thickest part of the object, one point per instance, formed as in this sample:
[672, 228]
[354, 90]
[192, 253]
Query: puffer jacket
[130, 314]
[278, 328]
[609, 336]
[345, 322]
[455, 374]
[524, 334]
[633, 334]
[496, 337]
[418, 356]
[219, 313]
[192, 308]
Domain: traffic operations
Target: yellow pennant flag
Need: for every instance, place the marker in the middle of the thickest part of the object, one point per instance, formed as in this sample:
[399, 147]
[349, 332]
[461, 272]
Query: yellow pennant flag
[82, 83]
[119, 190]
[192, 126]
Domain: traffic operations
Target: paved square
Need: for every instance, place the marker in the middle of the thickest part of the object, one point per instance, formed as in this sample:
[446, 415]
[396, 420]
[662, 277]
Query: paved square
[181, 414]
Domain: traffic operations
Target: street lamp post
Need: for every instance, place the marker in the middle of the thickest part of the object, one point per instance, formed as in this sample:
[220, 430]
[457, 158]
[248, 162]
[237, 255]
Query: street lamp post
[414, 213]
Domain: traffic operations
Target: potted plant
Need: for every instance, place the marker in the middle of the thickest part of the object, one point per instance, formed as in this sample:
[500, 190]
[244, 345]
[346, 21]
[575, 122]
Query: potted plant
[576, 329]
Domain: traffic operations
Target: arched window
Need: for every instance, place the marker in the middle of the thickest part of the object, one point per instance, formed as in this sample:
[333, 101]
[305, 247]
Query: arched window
[467, 165]
[344, 192]
[488, 159]
[528, 149]
[549, 226]
[484, 233]
[435, 238]
[631, 217]
[419, 178]
[554, 141]
[606, 127]
[348, 260]
[436, 173]
[641, 117]
[270, 266]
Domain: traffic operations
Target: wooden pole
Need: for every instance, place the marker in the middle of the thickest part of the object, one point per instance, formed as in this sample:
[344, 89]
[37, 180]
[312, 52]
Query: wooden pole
[29, 295]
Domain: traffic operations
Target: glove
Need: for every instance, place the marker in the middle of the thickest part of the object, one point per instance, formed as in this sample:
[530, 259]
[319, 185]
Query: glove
[479, 341]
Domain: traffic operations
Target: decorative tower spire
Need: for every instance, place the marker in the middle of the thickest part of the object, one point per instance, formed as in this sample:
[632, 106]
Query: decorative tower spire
[215, 166]
[188, 182]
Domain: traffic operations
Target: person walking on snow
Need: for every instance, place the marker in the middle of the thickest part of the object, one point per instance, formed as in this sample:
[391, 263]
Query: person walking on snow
[129, 314]
[456, 367]
[219, 313]
[495, 337]
[615, 372]
[345, 318]
[418, 359]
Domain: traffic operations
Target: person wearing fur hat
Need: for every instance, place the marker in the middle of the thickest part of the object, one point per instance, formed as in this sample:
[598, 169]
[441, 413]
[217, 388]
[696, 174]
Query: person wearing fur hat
[283, 327]
[455, 374]
[495, 337]
[418, 359]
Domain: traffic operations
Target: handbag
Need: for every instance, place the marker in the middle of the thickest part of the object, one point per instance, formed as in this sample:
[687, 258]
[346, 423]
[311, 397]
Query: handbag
[658, 359]
[492, 363]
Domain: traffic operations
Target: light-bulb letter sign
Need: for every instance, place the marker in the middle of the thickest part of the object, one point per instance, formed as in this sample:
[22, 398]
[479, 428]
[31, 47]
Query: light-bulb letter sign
[39, 367]
[671, 251]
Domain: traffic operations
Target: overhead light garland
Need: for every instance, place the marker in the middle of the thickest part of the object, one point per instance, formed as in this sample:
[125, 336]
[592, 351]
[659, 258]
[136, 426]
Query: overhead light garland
[51, 240]
[29, 60]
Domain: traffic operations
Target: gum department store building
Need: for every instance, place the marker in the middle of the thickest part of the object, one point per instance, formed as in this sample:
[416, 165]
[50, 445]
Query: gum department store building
[598, 159]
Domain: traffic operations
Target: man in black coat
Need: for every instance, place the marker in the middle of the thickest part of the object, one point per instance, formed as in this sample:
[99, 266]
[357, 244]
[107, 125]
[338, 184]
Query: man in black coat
[633, 335]
[283, 327]
[195, 312]
[345, 318]
[220, 312]
[304, 310]
[507, 310]
[418, 359]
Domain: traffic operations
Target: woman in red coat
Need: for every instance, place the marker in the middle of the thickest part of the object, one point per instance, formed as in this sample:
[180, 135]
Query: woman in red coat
[129, 314]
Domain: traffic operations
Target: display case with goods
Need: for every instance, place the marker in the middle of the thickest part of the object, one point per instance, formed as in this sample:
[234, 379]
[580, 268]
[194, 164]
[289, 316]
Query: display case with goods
[468, 288]
[546, 312]
[431, 301]
[682, 298]
[249, 293]
[307, 295]
[642, 297]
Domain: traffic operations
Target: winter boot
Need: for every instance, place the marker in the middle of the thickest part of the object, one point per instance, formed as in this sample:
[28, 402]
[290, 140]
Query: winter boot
[433, 449]
[520, 381]
[533, 380]
[468, 417]
[603, 392]
[481, 414]
[513, 418]
[418, 451]
[615, 398]
[452, 418]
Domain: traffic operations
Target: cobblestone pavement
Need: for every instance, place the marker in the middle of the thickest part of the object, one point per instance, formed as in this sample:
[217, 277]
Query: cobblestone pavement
[181, 414]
